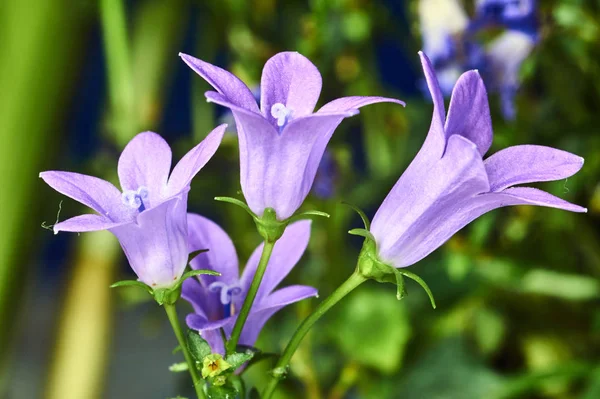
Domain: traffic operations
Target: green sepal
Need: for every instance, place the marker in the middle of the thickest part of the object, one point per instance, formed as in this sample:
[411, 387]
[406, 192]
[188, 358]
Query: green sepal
[421, 282]
[363, 233]
[307, 214]
[178, 367]
[238, 358]
[192, 255]
[131, 283]
[400, 287]
[237, 202]
[197, 346]
[167, 295]
[360, 212]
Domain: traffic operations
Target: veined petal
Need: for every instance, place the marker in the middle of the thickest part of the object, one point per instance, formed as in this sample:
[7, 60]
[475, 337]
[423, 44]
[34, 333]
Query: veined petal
[224, 82]
[529, 163]
[146, 162]
[271, 305]
[221, 257]
[421, 195]
[286, 254]
[194, 292]
[346, 104]
[289, 78]
[533, 196]
[212, 336]
[157, 245]
[469, 113]
[84, 223]
[194, 160]
[436, 138]
[96, 193]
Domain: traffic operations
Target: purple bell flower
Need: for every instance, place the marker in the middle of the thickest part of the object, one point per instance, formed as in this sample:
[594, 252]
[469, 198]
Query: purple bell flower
[449, 184]
[149, 217]
[216, 300]
[282, 142]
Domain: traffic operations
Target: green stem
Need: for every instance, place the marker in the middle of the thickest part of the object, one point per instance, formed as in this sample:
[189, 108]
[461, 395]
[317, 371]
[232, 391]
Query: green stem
[351, 283]
[172, 315]
[241, 320]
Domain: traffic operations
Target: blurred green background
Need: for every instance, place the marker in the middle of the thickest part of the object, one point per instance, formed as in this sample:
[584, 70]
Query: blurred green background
[518, 291]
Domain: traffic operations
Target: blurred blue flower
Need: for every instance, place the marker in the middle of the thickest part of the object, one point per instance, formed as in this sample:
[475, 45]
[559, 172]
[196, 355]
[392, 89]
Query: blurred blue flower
[516, 15]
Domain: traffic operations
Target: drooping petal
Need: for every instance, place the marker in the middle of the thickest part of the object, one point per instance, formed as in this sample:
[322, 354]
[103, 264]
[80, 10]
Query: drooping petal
[529, 163]
[98, 194]
[146, 162]
[436, 138]
[212, 336]
[421, 195]
[157, 245]
[224, 82]
[84, 223]
[286, 254]
[290, 79]
[194, 160]
[271, 305]
[346, 104]
[203, 233]
[469, 113]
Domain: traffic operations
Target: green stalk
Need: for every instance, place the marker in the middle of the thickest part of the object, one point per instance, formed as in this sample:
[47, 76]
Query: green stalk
[241, 320]
[172, 315]
[279, 371]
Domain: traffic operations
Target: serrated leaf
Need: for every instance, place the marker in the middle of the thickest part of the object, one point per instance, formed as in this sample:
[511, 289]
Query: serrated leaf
[197, 346]
[237, 359]
[178, 367]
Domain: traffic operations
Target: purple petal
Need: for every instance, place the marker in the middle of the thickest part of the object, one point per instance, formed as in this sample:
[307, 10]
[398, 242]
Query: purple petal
[436, 138]
[194, 160]
[213, 337]
[421, 196]
[98, 194]
[529, 163]
[85, 223]
[469, 113]
[224, 82]
[157, 245]
[271, 305]
[146, 162]
[533, 196]
[278, 170]
[290, 79]
[286, 254]
[194, 292]
[346, 104]
[203, 233]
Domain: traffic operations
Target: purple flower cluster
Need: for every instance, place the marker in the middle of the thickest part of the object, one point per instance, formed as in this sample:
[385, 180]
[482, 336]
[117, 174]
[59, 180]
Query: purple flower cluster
[282, 142]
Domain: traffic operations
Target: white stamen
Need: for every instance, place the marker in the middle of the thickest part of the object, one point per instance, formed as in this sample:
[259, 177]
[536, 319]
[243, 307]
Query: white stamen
[135, 198]
[227, 291]
[281, 113]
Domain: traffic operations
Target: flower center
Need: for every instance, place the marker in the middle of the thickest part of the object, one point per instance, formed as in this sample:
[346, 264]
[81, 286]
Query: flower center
[135, 198]
[282, 114]
[227, 294]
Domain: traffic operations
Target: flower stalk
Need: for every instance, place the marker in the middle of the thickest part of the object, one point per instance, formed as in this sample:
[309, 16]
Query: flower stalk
[280, 369]
[172, 315]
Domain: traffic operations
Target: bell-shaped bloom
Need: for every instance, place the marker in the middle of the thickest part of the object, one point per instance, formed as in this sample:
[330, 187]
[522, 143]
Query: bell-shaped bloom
[282, 142]
[449, 184]
[149, 217]
[216, 300]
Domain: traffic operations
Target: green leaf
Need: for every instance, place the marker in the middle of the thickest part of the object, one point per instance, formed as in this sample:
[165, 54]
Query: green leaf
[178, 367]
[372, 328]
[197, 346]
[131, 283]
[237, 359]
[226, 391]
[362, 215]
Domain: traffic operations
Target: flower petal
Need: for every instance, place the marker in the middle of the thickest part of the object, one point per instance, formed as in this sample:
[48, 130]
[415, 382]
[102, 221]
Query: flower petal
[529, 163]
[157, 245]
[194, 292]
[271, 305]
[224, 82]
[421, 195]
[469, 113]
[146, 162]
[533, 196]
[286, 254]
[194, 160]
[291, 79]
[98, 194]
[212, 336]
[84, 223]
[346, 104]
[436, 138]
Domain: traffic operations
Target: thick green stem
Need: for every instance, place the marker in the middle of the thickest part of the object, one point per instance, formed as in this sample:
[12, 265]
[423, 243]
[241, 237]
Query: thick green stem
[172, 315]
[280, 369]
[241, 320]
